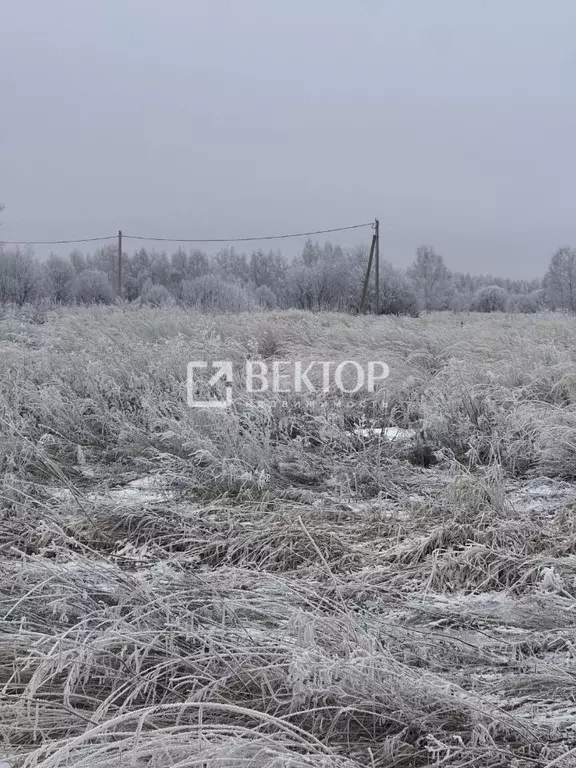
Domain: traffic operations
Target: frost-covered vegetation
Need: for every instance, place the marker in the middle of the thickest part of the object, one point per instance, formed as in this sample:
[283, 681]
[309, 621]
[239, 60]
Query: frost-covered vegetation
[282, 585]
[321, 277]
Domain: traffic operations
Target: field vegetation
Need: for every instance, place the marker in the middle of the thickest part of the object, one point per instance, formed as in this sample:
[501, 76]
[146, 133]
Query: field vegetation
[282, 584]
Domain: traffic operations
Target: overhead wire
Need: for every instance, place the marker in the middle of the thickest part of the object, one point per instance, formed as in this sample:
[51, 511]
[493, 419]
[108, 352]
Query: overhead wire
[74, 241]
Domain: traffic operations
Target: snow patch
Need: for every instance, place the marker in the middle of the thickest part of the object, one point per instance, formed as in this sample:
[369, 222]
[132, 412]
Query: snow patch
[388, 433]
[143, 490]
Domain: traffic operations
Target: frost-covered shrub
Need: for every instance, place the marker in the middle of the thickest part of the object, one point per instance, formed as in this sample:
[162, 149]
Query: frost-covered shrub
[492, 298]
[212, 293]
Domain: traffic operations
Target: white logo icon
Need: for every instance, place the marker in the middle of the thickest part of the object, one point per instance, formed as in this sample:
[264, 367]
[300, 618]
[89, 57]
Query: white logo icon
[224, 371]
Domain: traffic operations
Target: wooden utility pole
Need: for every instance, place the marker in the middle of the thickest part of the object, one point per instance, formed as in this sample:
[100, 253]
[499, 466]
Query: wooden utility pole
[120, 263]
[367, 275]
[374, 256]
[377, 265]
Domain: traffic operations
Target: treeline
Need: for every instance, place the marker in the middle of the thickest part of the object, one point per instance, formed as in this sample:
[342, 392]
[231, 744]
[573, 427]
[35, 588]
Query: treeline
[321, 278]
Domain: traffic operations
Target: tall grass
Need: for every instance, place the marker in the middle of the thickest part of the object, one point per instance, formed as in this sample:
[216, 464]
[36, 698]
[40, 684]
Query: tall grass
[270, 586]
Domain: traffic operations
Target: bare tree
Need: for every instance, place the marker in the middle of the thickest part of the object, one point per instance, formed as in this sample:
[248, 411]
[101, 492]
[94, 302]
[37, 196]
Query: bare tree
[560, 279]
[92, 286]
[267, 269]
[397, 296]
[58, 278]
[18, 276]
[430, 278]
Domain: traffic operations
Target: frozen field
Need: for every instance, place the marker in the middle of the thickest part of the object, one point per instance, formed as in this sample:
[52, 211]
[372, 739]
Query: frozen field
[317, 582]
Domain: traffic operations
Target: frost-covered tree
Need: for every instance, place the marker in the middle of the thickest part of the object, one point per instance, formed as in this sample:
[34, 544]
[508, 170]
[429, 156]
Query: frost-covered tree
[560, 280]
[267, 269]
[19, 276]
[397, 295]
[233, 266]
[430, 278]
[58, 279]
[266, 297]
[92, 286]
[527, 303]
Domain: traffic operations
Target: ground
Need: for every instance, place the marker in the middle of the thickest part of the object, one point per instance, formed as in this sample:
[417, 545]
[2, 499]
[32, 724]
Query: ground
[318, 580]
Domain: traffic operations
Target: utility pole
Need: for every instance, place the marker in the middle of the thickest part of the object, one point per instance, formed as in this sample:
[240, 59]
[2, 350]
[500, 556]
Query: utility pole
[377, 265]
[119, 263]
[367, 275]
[374, 256]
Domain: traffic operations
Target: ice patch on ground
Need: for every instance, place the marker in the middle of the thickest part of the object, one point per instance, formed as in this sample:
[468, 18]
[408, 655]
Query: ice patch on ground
[138, 492]
[541, 495]
[144, 490]
[388, 433]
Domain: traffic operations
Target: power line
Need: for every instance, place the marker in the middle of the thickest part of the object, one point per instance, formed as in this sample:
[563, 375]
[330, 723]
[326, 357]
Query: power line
[57, 242]
[246, 239]
[187, 239]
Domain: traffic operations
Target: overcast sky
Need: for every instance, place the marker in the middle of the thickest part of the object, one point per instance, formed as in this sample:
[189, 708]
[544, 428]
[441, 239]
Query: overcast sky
[453, 121]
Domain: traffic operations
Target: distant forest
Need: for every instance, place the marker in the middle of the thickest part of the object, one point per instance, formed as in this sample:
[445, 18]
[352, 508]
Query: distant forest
[322, 277]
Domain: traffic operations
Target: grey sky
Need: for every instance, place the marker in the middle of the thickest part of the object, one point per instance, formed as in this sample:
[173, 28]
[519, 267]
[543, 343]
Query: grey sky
[453, 121]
